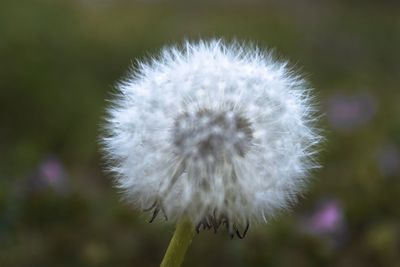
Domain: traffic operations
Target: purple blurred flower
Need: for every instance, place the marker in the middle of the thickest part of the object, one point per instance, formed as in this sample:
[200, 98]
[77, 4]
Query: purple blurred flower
[388, 158]
[347, 112]
[50, 173]
[328, 218]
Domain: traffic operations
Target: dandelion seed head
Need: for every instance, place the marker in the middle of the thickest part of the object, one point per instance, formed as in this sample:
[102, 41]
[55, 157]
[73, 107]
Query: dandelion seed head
[214, 132]
[211, 134]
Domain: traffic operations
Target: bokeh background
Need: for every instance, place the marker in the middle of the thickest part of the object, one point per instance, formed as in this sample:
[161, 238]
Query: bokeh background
[59, 63]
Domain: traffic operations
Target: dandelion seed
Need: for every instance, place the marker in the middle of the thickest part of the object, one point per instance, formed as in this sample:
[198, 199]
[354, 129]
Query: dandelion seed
[219, 134]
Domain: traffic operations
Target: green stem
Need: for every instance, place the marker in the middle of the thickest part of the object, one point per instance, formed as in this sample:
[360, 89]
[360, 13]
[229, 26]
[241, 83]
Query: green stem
[178, 245]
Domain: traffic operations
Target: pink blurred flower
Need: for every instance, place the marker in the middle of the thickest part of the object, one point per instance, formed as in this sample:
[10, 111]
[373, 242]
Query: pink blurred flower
[328, 218]
[51, 169]
[51, 173]
[348, 112]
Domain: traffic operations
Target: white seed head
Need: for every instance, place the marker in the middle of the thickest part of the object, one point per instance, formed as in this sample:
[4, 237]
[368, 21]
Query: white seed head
[217, 133]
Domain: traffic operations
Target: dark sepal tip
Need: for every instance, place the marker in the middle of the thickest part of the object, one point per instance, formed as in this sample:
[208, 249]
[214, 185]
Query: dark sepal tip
[155, 213]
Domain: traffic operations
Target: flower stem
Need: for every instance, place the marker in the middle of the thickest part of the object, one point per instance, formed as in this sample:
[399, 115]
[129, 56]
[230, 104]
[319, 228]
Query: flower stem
[178, 245]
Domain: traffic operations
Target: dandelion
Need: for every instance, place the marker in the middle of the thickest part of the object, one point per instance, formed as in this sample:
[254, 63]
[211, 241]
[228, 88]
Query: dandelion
[210, 135]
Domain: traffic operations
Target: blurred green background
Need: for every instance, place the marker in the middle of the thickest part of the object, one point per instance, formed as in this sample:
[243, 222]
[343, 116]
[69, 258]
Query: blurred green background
[59, 63]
